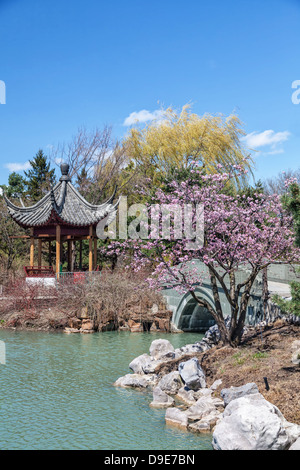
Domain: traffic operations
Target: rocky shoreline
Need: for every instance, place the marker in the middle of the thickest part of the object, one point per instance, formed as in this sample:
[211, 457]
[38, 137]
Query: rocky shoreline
[239, 418]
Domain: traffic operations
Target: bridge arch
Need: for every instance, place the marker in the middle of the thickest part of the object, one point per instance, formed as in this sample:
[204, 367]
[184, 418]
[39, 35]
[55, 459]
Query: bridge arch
[190, 316]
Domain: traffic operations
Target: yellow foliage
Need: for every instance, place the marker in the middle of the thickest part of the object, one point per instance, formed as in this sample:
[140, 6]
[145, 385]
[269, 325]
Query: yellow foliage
[181, 138]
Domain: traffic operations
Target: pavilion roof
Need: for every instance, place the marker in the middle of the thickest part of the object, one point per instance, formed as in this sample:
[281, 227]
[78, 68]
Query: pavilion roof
[62, 204]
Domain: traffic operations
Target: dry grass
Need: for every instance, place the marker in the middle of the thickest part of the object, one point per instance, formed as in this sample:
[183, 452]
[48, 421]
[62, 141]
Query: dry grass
[267, 354]
[110, 299]
[262, 355]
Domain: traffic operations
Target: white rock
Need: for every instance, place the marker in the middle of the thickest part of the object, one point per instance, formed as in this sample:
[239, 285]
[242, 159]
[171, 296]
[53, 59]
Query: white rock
[171, 383]
[296, 445]
[252, 423]
[192, 374]
[232, 393]
[186, 395]
[136, 381]
[206, 423]
[143, 364]
[216, 384]
[161, 399]
[203, 407]
[176, 417]
[161, 348]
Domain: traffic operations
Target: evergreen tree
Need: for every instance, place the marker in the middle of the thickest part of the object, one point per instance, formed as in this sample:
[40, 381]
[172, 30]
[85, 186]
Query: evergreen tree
[40, 177]
[16, 185]
[291, 201]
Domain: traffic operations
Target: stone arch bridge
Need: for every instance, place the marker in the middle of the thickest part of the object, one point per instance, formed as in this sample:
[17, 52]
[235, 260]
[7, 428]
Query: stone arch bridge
[189, 316]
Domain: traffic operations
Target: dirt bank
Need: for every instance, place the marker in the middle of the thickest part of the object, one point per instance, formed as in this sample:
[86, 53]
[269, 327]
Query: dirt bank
[262, 354]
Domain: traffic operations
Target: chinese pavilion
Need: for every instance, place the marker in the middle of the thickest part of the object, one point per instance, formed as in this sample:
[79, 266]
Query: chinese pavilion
[62, 215]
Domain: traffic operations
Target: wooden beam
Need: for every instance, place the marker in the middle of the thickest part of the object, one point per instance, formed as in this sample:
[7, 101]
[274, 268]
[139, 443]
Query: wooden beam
[91, 249]
[58, 248]
[39, 252]
[19, 237]
[49, 253]
[95, 253]
[31, 251]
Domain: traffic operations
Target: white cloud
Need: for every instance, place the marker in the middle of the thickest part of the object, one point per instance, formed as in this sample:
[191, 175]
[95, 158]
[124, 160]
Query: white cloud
[17, 166]
[269, 138]
[144, 116]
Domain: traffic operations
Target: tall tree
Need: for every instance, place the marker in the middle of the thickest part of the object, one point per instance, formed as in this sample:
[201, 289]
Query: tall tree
[240, 234]
[16, 187]
[40, 177]
[181, 138]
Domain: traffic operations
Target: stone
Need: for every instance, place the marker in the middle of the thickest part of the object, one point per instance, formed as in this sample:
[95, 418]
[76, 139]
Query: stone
[191, 349]
[161, 399]
[216, 384]
[176, 417]
[232, 393]
[186, 395]
[203, 407]
[296, 445]
[136, 381]
[252, 423]
[171, 383]
[296, 357]
[135, 327]
[83, 313]
[203, 392]
[162, 349]
[87, 324]
[207, 423]
[74, 323]
[295, 345]
[71, 330]
[192, 374]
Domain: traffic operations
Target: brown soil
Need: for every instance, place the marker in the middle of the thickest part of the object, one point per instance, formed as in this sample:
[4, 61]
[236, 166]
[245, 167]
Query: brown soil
[262, 354]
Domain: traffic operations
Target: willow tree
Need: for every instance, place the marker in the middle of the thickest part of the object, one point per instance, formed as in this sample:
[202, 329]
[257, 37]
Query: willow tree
[180, 138]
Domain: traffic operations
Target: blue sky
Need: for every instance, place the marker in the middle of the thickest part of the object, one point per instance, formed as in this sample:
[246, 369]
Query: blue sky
[67, 64]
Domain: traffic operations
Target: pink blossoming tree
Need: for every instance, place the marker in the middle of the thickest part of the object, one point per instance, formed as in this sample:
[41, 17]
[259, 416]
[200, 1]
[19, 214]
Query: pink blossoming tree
[239, 232]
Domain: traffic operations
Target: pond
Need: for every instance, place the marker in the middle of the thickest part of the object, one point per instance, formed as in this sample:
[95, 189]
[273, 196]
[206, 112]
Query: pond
[57, 393]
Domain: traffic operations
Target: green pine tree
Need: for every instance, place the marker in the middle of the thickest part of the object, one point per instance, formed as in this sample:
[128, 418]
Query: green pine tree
[40, 177]
[16, 185]
[291, 200]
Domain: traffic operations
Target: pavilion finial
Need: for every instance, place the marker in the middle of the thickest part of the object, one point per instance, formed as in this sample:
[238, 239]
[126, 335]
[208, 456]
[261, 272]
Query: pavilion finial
[64, 168]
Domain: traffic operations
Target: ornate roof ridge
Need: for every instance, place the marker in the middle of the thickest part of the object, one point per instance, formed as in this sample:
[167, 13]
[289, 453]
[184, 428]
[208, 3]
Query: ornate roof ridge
[69, 205]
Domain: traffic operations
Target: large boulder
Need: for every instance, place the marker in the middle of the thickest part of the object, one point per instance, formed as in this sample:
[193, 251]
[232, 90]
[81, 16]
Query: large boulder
[195, 348]
[192, 374]
[296, 445]
[171, 383]
[252, 423]
[162, 349]
[143, 364]
[232, 393]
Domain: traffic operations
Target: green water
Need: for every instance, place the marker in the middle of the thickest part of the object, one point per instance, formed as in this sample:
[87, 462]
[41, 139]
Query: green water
[57, 393]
